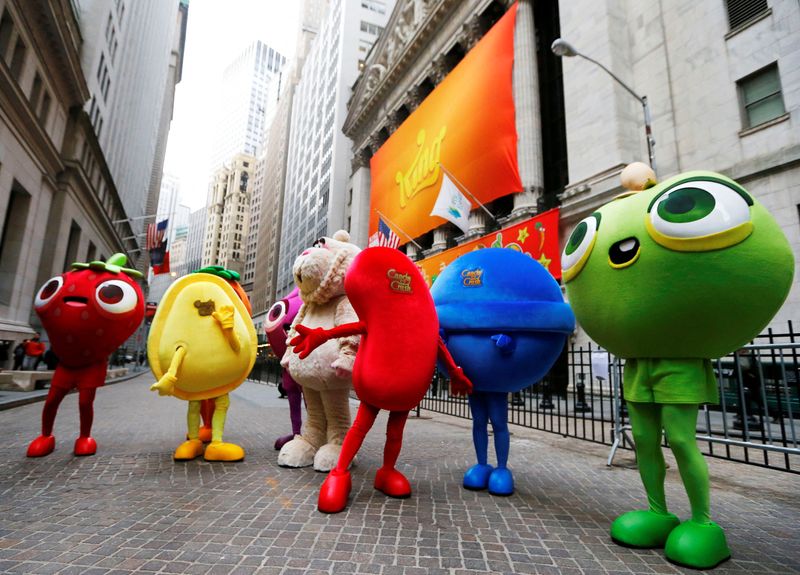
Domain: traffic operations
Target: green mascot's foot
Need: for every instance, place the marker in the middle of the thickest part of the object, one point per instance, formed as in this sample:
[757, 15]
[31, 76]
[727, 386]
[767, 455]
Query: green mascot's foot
[646, 529]
[697, 545]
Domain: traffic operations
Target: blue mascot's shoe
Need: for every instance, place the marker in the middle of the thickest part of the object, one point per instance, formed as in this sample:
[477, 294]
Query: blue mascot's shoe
[501, 482]
[477, 477]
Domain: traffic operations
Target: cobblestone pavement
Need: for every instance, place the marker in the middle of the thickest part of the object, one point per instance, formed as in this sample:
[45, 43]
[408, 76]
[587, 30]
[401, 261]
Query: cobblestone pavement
[130, 508]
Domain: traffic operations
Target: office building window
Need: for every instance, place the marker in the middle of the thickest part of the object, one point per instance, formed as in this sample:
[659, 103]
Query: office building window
[740, 12]
[760, 96]
[11, 240]
[72, 245]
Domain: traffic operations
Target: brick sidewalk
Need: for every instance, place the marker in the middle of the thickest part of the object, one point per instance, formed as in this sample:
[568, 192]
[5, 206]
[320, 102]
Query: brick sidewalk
[131, 508]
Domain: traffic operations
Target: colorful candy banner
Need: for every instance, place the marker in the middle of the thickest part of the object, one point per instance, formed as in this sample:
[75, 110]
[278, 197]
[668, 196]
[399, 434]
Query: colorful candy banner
[537, 237]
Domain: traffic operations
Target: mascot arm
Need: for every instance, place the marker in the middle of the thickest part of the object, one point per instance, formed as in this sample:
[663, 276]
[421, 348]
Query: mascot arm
[224, 318]
[309, 339]
[166, 385]
[459, 382]
[348, 345]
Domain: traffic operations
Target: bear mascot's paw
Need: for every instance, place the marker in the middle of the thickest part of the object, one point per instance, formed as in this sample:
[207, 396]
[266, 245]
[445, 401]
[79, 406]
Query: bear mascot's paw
[326, 457]
[297, 453]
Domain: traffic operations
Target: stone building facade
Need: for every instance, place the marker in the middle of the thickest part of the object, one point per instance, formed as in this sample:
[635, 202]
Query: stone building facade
[58, 200]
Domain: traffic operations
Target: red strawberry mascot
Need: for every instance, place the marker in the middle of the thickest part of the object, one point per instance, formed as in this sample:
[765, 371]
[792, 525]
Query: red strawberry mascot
[88, 312]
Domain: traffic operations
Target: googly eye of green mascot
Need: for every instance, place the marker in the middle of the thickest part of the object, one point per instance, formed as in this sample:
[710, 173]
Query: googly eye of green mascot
[669, 278]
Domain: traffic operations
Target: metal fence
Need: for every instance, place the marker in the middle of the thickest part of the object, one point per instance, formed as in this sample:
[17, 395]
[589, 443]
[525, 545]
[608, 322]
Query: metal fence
[756, 422]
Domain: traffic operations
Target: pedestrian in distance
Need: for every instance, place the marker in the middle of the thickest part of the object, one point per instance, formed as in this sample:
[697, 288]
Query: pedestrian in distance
[34, 350]
[19, 354]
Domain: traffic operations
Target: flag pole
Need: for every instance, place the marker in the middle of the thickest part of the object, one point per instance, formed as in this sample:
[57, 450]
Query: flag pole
[394, 225]
[464, 189]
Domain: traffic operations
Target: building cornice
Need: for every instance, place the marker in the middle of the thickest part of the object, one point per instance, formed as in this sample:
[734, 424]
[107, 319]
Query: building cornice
[58, 43]
[26, 126]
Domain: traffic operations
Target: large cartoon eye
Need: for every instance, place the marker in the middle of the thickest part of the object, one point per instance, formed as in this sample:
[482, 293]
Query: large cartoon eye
[579, 246]
[48, 291]
[116, 296]
[275, 315]
[700, 215]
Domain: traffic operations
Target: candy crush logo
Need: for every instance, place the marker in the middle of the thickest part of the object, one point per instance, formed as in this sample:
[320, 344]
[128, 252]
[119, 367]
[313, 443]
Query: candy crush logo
[472, 278]
[399, 282]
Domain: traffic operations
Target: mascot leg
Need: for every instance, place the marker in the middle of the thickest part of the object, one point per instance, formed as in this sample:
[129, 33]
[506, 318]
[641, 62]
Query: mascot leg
[650, 528]
[300, 451]
[501, 482]
[207, 413]
[193, 446]
[388, 480]
[477, 476]
[295, 410]
[46, 443]
[698, 543]
[336, 487]
[217, 450]
[85, 444]
[336, 403]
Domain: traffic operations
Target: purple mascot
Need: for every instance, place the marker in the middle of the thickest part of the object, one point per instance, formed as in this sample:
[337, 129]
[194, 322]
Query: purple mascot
[279, 321]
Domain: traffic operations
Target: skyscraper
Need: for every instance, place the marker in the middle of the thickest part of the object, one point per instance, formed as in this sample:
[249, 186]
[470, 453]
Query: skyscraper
[319, 153]
[126, 59]
[244, 103]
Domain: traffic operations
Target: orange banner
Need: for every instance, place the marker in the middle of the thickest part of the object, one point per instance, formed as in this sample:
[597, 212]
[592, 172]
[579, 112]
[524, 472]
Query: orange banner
[537, 237]
[467, 125]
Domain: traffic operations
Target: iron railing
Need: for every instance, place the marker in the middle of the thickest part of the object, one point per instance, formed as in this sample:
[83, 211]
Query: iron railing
[757, 421]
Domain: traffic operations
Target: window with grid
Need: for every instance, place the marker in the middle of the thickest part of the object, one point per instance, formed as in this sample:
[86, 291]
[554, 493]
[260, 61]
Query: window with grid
[761, 97]
[742, 11]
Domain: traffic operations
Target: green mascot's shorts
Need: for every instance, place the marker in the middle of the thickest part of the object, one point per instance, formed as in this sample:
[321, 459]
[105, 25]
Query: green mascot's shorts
[669, 380]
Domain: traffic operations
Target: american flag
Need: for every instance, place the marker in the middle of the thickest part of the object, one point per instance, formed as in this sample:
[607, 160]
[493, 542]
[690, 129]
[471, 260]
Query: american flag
[155, 234]
[385, 236]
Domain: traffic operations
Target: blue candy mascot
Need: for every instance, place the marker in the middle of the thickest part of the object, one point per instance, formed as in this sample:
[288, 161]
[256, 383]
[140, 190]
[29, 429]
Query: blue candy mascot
[505, 322]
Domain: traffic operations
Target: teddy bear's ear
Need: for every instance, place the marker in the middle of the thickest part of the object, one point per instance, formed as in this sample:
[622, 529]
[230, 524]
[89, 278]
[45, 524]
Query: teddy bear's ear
[342, 236]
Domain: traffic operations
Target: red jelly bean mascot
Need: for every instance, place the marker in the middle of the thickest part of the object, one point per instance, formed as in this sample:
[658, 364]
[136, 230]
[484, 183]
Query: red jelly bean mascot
[394, 364]
[88, 313]
[279, 322]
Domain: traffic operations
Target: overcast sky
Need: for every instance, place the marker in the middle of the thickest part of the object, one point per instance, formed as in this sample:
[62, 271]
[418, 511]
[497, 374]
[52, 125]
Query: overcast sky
[218, 30]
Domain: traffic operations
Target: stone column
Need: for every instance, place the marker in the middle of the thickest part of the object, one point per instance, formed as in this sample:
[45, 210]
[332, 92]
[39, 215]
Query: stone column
[439, 70]
[526, 98]
[439, 241]
[411, 251]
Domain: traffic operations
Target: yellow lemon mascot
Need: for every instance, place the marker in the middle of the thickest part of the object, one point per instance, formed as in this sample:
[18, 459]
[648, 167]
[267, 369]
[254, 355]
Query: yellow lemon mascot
[202, 345]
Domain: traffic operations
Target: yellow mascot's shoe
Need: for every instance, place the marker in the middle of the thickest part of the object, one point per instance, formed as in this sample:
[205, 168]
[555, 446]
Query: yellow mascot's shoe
[188, 450]
[219, 451]
[205, 434]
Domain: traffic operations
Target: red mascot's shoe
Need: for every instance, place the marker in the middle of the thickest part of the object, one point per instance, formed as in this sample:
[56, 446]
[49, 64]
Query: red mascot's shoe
[392, 483]
[41, 446]
[334, 492]
[85, 446]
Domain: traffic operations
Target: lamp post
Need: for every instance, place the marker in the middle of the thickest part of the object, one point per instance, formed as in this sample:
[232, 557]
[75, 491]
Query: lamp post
[561, 47]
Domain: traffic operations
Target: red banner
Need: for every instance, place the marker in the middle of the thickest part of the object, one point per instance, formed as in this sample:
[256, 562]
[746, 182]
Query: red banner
[467, 124]
[537, 237]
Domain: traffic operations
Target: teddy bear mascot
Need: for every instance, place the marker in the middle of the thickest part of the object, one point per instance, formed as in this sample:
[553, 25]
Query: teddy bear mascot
[88, 312]
[326, 377]
[670, 276]
[279, 321]
[393, 368]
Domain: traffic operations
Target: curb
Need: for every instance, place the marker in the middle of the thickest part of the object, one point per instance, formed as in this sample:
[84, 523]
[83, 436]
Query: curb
[41, 394]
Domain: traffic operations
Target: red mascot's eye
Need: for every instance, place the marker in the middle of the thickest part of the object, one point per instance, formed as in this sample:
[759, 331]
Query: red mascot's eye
[48, 290]
[116, 296]
[110, 294]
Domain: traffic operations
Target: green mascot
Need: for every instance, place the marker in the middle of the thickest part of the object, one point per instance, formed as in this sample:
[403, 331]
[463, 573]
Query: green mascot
[670, 277]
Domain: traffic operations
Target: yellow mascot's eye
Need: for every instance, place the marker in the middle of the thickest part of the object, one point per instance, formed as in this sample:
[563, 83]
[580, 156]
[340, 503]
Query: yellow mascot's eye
[700, 215]
[579, 246]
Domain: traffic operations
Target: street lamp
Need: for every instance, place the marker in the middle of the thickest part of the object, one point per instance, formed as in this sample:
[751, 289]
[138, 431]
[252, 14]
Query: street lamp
[561, 47]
